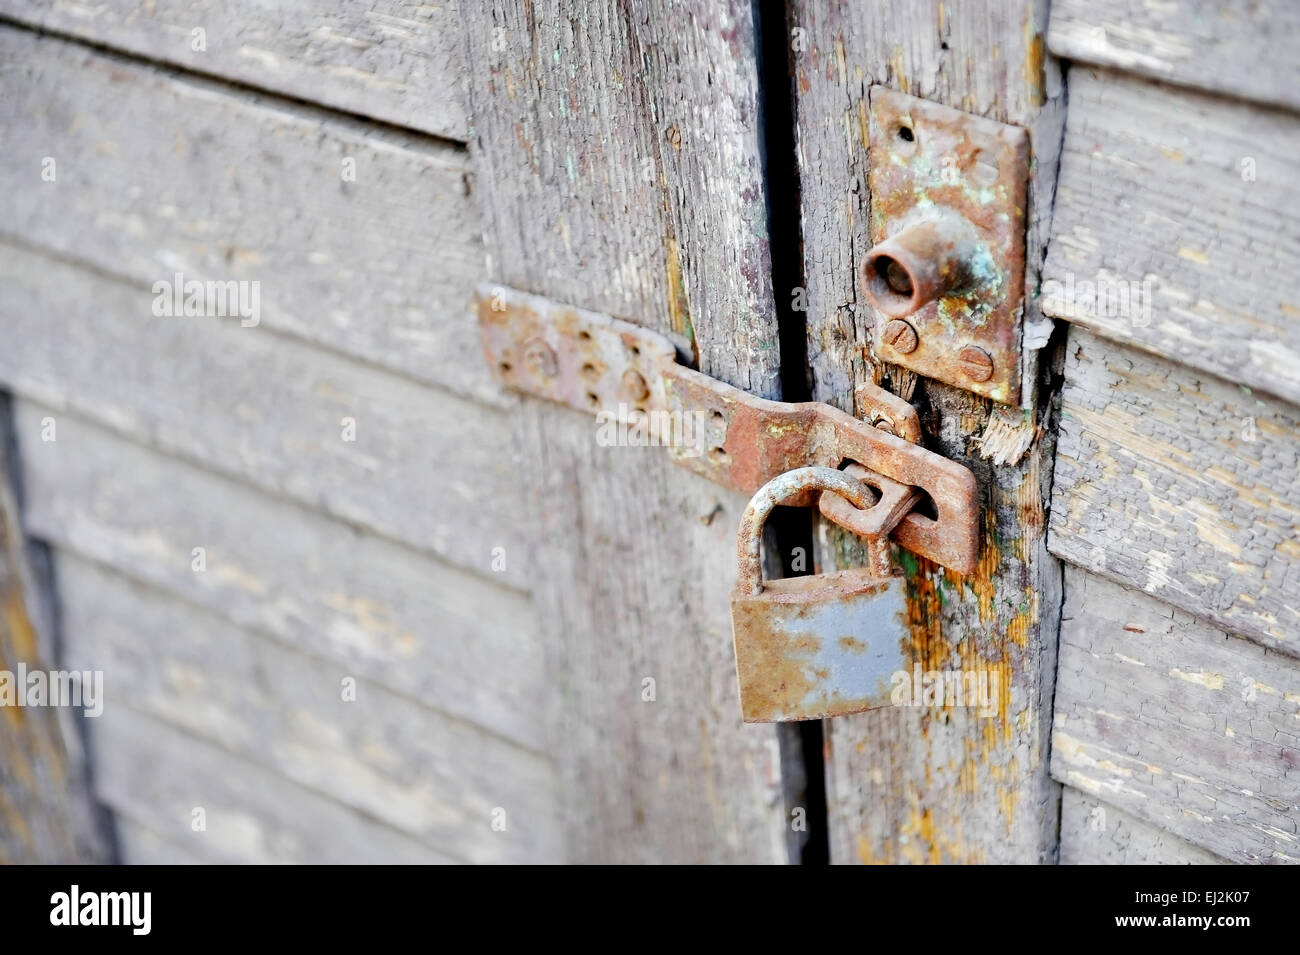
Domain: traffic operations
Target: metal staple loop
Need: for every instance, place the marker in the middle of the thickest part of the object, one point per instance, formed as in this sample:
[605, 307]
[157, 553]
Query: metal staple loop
[879, 520]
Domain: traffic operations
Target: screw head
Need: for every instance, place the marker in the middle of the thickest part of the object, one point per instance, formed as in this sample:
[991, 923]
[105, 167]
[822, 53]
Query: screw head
[901, 336]
[539, 358]
[634, 386]
[976, 363]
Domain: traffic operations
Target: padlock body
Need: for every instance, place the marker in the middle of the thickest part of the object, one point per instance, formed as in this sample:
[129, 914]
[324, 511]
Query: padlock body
[826, 645]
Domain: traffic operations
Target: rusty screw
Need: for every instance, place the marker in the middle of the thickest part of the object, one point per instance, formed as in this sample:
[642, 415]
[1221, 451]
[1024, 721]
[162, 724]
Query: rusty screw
[900, 336]
[976, 363]
[634, 387]
[539, 358]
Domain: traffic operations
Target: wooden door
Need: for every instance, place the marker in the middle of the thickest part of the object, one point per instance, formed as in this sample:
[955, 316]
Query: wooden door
[618, 161]
[699, 168]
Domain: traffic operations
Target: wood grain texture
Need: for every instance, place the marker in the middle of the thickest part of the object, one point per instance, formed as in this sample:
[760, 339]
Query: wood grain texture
[620, 155]
[1174, 228]
[377, 753]
[454, 641]
[158, 173]
[1177, 722]
[44, 803]
[417, 465]
[1235, 47]
[1096, 833]
[981, 58]
[393, 61]
[1180, 484]
[617, 156]
[914, 784]
[157, 776]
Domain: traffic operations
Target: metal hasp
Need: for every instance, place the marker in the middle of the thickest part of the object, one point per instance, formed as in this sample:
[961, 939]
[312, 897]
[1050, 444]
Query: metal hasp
[630, 375]
[946, 269]
[813, 647]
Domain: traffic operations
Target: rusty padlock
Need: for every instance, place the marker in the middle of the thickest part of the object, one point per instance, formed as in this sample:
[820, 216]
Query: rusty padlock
[823, 645]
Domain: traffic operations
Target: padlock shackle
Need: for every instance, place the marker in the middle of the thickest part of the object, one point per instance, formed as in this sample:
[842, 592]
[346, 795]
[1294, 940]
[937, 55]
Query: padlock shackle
[781, 488]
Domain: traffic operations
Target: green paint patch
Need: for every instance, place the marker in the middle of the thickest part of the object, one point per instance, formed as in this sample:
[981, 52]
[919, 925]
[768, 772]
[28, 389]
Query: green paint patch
[911, 566]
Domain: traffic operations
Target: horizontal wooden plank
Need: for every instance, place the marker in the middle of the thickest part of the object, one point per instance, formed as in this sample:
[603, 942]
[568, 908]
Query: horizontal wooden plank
[1174, 228]
[1096, 833]
[437, 778]
[1235, 47]
[1170, 719]
[452, 640]
[376, 449]
[156, 174]
[393, 60]
[1181, 484]
[159, 776]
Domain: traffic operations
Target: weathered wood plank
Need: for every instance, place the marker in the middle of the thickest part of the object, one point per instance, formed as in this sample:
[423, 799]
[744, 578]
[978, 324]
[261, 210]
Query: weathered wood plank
[416, 770]
[627, 141]
[1181, 484]
[1174, 227]
[1096, 833]
[617, 152]
[157, 174]
[1177, 722]
[982, 58]
[1236, 47]
[364, 445]
[452, 640]
[914, 784]
[158, 776]
[391, 60]
[44, 803]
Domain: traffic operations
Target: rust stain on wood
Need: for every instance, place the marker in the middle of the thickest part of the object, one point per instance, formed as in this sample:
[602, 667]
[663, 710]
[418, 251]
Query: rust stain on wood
[1035, 63]
[679, 309]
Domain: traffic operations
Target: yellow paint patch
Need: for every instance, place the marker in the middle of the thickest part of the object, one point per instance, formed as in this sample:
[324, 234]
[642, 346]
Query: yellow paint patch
[678, 308]
[1035, 62]
[1211, 681]
[229, 573]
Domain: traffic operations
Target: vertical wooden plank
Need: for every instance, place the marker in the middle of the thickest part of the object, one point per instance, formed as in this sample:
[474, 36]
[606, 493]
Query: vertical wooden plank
[44, 808]
[617, 161]
[924, 784]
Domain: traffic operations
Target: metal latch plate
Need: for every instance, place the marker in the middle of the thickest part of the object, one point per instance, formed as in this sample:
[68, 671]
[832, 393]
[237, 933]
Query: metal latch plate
[927, 159]
[601, 364]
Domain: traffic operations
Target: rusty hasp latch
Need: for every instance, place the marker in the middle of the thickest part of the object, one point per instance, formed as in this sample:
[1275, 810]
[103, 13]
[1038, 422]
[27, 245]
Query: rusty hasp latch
[946, 269]
[630, 375]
